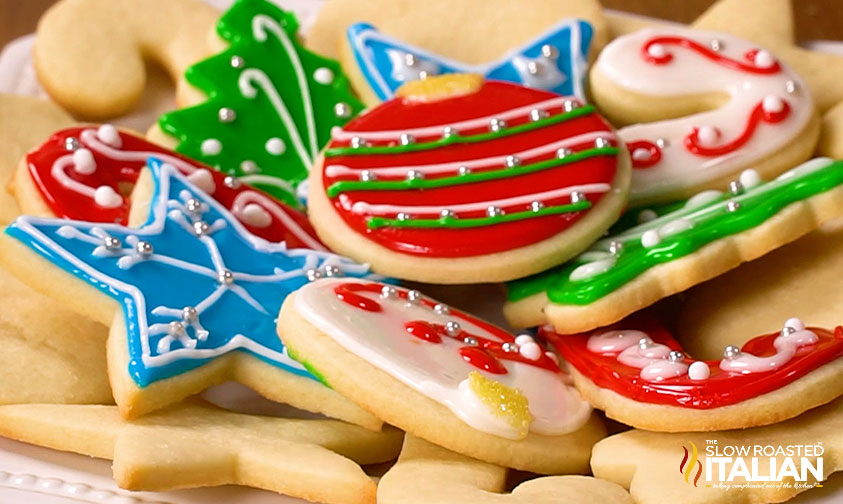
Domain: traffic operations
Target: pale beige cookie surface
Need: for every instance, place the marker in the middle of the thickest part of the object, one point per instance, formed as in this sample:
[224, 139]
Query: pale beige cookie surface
[799, 280]
[134, 400]
[441, 411]
[196, 445]
[428, 474]
[90, 54]
[601, 287]
[658, 467]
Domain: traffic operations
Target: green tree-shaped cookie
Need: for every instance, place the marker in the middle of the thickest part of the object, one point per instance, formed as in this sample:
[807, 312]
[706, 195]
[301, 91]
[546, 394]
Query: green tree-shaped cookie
[271, 102]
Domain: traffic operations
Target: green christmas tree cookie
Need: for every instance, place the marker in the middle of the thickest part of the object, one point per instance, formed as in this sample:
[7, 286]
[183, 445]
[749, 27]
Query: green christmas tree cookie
[271, 102]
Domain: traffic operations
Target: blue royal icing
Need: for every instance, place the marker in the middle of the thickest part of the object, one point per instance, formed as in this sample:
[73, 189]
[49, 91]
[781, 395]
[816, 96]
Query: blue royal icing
[554, 61]
[234, 312]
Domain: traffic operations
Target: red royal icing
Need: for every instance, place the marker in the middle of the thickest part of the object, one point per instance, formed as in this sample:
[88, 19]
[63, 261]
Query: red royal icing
[652, 154]
[707, 52]
[720, 389]
[486, 355]
[493, 98]
[119, 167]
[692, 141]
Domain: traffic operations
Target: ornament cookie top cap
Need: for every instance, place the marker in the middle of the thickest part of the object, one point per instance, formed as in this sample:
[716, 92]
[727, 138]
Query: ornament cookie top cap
[465, 180]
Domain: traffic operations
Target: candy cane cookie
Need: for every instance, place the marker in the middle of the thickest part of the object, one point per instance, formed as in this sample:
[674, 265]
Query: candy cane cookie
[700, 108]
[639, 374]
[87, 172]
[458, 180]
[709, 234]
[441, 374]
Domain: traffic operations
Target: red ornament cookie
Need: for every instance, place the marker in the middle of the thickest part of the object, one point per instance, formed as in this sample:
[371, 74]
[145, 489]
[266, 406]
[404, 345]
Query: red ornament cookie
[461, 181]
[639, 374]
[86, 173]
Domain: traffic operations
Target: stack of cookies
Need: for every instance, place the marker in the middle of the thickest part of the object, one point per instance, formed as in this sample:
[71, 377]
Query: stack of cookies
[332, 220]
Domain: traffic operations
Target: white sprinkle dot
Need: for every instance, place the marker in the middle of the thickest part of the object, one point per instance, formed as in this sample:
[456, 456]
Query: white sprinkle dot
[647, 215]
[641, 154]
[650, 238]
[523, 339]
[83, 161]
[795, 323]
[531, 351]
[255, 216]
[107, 197]
[249, 167]
[657, 51]
[275, 146]
[591, 269]
[763, 59]
[211, 147]
[203, 179]
[108, 134]
[698, 371]
[708, 135]
[749, 178]
[323, 75]
[772, 104]
[675, 226]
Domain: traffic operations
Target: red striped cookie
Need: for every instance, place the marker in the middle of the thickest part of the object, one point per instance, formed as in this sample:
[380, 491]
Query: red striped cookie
[461, 181]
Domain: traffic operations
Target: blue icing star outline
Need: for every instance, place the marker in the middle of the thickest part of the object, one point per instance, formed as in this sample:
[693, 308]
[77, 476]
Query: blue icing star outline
[554, 61]
[184, 299]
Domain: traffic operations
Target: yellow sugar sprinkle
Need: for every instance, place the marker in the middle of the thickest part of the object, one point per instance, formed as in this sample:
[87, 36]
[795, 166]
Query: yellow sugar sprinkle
[440, 87]
[506, 402]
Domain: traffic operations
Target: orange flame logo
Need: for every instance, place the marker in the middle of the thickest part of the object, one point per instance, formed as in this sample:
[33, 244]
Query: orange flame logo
[686, 467]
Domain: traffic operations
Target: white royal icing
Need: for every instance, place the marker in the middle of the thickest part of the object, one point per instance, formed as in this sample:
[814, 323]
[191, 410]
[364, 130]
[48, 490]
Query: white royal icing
[436, 369]
[690, 73]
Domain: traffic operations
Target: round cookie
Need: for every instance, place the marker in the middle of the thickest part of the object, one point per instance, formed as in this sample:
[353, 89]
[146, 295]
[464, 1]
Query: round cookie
[90, 54]
[701, 107]
[463, 181]
[87, 173]
[639, 374]
[441, 374]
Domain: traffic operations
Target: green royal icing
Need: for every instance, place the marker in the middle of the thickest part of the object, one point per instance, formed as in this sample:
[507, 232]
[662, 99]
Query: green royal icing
[420, 183]
[281, 91]
[710, 218]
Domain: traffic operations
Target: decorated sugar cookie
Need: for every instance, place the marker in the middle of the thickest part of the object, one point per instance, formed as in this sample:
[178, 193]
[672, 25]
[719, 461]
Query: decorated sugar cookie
[553, 61]
[271, 103]
[709, 234]
[702, 107]
[86, 172]
[461, 181]
[441, 374]
[639, 374]
[199, 295]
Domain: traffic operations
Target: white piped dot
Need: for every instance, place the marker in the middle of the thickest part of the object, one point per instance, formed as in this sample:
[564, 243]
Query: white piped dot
[107, 197]
[108, 134]
[256, 216]
[647, 215]
[650, 238]
[323, 75]
[708, 135]
[763, 59]
[211, 147]
[523, 339]
[749, 178]
[657, 51]
[203, 179]
[249, 167]
[83, 161]
[531, 350]
[772, 104]
[698, 371]
[675, 226]
[641, 154]
[794, 323]
[275, 146]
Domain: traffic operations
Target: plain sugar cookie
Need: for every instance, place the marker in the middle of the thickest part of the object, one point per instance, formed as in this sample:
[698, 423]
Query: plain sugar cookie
[441, 374]
[701, 107]
[463, 181]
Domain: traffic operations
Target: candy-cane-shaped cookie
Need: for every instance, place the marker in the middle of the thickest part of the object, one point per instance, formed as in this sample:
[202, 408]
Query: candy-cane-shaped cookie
[461, 181]
[440, 373]
[86, 173]
[703, 107]
[638, 373]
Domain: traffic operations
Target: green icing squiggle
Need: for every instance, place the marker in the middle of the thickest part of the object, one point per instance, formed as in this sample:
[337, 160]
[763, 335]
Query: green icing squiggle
[711, 221]
[277, 90]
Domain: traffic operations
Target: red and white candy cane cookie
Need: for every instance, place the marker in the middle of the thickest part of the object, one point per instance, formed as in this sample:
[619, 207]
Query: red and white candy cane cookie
[86, 173]
[703, 107]
[438, 372]
[639, 374]
[461, 181]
